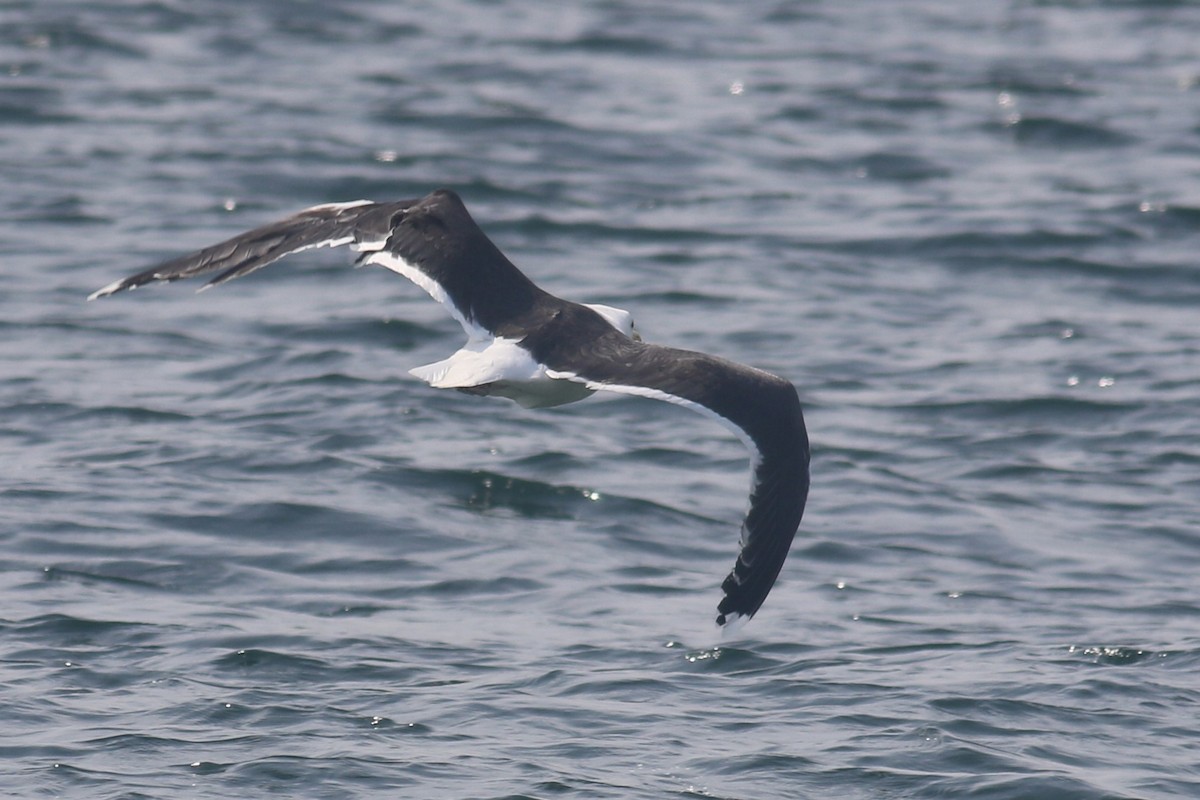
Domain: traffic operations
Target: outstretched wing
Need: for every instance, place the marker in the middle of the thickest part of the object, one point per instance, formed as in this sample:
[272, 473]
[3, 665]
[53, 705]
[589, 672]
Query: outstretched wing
[433, 242]
[363, 224]
[763, 409]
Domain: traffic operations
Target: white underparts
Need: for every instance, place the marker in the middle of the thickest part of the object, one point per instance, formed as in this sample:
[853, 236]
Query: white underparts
[490, 365]
[501, 368]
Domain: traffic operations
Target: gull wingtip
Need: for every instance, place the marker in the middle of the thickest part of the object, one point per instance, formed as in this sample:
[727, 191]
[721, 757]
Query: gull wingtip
[732, 621]
[105, 291]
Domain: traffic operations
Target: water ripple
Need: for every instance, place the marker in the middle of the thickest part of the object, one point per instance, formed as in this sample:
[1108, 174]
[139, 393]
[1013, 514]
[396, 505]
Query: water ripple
[245, 553]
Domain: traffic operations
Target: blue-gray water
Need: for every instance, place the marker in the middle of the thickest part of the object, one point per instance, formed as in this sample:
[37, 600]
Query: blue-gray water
[244, 553]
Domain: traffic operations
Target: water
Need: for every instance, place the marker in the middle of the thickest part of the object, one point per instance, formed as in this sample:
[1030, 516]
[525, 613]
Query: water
[245, 554]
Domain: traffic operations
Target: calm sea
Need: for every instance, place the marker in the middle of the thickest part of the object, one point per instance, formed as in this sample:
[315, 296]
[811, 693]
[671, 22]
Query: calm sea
[244, 554]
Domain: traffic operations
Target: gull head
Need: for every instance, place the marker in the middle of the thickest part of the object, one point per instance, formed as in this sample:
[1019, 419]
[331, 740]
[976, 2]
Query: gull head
[619, 318]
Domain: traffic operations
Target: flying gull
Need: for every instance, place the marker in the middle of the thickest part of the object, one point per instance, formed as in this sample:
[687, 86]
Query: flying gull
[532, 347]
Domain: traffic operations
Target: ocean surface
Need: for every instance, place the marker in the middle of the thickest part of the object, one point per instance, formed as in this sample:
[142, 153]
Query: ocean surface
[243, 553]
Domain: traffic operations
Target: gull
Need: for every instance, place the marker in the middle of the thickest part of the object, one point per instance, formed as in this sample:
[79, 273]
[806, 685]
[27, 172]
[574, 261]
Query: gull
[525, 344]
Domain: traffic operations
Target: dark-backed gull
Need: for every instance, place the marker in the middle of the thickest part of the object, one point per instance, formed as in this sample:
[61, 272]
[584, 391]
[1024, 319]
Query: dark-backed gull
[528, 345]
